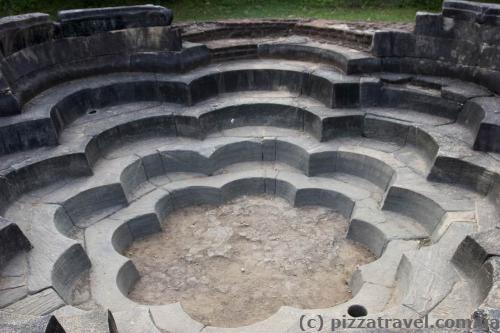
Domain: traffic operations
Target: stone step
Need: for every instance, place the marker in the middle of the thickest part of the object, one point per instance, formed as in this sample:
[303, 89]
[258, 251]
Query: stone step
[92, 321]
[430, 268]
[55, 260]
[13, 283]
[39, 304]
[350, 61]
[12, 241]
[16, 323]
[376, 229]
[332, 89]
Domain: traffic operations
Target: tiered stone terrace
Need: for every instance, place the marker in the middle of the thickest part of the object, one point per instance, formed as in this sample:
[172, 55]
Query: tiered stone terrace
[113, 118]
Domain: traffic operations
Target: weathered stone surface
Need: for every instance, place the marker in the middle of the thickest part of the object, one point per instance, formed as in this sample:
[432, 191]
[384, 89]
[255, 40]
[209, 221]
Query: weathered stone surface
[462, 92]
[475, 249]
[9, 104]
[377, 272]
[487, 110]
[21, 31]
[489, 283]
[91, 322]
[12, 241]
[98, 159]
[469, 175]
[393, 44]
[90, 21]
[39, 67]
[40, 304]
[348, 60]
[420, 100]
[462, 10]
[418, 271]
[483, 13]
[15, 323]
[173, 318]
[137, 320]
[458, 42]
[370, 92]
[432, 24]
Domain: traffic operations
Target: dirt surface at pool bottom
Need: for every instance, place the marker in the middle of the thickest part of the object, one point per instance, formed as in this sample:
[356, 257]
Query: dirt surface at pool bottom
[238, 263]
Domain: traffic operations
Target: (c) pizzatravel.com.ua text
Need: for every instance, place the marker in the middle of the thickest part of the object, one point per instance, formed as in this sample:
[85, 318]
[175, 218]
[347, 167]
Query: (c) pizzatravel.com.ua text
[319, 323]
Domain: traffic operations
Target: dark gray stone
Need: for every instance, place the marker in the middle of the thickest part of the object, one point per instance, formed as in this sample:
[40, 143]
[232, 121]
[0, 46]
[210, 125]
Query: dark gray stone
[248, 186]
[342, 126]
[455, 171]
[432, 24]
[488, 78]
[462, 92]
[424, 142]
[416, 206]
[14, 323]
[195, 195]
[320, 88]
[98, 321]
[83, 22]
[246, 151]
[292, 155]
[39, 304]
[43, 172]
[490, 57]
[487, 137]
[478, 247]
[346, 95]
[144, 225]
[362, 166]
[396, 78]
[462, 10]
[404, 44]
[482, 116]
[26, 135]
[177, 61]
[370, 92]
[68, 269]
[482, 13]
[384, 130]
[393, 44]
[331, 199]
[382, 44]
[41, 66]
[257, 114]
[12, 241]
[185, 161]
[395, 96]
[94, 202]
[21, 31]
[367, 234]
[9, 104]
[343, 58]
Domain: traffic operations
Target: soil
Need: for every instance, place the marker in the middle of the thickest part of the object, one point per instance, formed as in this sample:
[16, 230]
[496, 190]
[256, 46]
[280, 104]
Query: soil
[238, 263]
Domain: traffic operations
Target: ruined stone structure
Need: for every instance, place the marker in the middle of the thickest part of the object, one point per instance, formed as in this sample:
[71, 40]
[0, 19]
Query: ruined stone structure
[100, 109]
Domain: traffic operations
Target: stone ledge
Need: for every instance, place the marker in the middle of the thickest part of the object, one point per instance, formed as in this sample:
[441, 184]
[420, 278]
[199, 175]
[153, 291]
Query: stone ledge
[483, 13]
[21, 31]
[476, 249]
[84, 22]
[12, 240]
[14, 323]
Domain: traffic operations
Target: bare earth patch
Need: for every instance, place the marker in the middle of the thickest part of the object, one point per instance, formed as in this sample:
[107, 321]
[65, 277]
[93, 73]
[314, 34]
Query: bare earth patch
[238, 263]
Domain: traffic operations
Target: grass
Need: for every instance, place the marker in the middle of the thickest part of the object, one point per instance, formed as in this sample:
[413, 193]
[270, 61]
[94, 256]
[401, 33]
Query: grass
[190, 10]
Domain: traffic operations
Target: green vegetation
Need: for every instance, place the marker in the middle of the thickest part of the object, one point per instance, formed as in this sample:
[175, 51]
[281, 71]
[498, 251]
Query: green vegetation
[189, 10]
